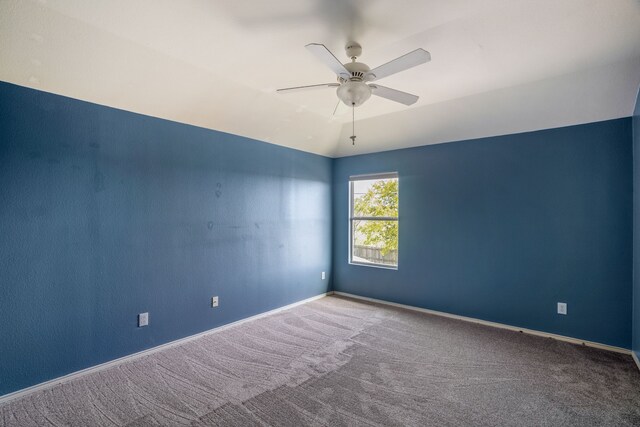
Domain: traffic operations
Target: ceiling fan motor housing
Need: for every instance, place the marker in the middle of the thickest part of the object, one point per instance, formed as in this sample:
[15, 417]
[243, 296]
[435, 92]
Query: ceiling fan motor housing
[356, 69]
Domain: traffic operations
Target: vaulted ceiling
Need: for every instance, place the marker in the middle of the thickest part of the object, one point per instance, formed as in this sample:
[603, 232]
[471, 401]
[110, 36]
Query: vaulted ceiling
[498, 66]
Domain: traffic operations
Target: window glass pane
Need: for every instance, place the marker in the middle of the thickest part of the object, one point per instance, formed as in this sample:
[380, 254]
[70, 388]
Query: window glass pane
[374, 241]
[375, 197]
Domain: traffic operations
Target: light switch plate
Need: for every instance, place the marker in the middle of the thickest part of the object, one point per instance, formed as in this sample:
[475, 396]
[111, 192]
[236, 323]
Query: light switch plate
[214, 302]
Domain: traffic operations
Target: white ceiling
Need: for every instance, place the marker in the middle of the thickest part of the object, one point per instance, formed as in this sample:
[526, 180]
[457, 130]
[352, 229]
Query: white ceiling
[498, 66]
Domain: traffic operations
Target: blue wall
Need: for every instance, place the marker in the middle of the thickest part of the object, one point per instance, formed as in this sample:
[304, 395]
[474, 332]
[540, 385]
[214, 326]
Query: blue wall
[502, 228]
[105, 214]
[636, 228]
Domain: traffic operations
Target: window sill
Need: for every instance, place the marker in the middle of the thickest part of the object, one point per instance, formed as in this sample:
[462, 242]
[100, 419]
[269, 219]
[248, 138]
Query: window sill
[365, 264]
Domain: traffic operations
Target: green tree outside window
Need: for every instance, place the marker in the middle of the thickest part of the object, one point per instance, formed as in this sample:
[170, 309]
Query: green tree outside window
[381, 200]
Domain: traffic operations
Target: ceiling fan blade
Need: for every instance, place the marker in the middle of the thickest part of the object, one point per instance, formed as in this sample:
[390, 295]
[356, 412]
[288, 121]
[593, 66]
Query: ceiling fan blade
[323, 54]
[341, 109]
[337, 105]
[393, 95]
[299, 88]
[409, 60]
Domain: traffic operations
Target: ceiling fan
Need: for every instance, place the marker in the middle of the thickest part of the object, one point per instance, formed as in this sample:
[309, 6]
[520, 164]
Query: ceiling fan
[352, 87]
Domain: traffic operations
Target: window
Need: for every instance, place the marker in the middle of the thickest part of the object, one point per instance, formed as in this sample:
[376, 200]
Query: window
[373, 218]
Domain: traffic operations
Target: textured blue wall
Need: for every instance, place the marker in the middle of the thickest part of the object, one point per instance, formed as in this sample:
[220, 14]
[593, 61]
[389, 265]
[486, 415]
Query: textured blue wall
[503, 228]
[105, 214]
[636, 228]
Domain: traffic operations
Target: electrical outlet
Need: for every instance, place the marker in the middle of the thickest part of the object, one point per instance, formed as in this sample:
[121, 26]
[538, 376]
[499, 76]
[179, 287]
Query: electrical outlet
[214, 302]
[143, 319]
[562, 308]
[323, 275]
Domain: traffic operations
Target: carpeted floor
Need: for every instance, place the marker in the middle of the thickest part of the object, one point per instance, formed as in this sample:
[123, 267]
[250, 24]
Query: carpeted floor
[337, 362]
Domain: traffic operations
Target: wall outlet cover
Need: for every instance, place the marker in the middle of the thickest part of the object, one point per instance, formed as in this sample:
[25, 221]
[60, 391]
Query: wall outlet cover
[323, 275]
[562, 308]
[143, 319]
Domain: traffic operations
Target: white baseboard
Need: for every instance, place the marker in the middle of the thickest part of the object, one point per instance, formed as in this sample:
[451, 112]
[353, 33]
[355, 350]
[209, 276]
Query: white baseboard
[66, 378]
[635, 358]
[495, 324]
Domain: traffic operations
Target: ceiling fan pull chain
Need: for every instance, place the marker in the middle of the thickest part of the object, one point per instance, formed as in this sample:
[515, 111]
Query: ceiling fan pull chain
[353, 124]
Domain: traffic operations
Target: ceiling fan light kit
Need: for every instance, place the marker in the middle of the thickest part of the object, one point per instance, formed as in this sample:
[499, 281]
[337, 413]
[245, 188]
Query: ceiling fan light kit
[353, 76]
[353, 93]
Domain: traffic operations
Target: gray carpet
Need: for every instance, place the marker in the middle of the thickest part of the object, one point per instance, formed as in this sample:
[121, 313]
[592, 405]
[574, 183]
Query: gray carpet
[338, 362]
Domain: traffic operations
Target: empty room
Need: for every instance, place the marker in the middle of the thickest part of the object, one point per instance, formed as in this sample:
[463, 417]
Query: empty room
[319, 213]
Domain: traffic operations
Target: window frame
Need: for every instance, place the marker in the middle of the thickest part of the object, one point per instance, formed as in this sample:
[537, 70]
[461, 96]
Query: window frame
[352, 218]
